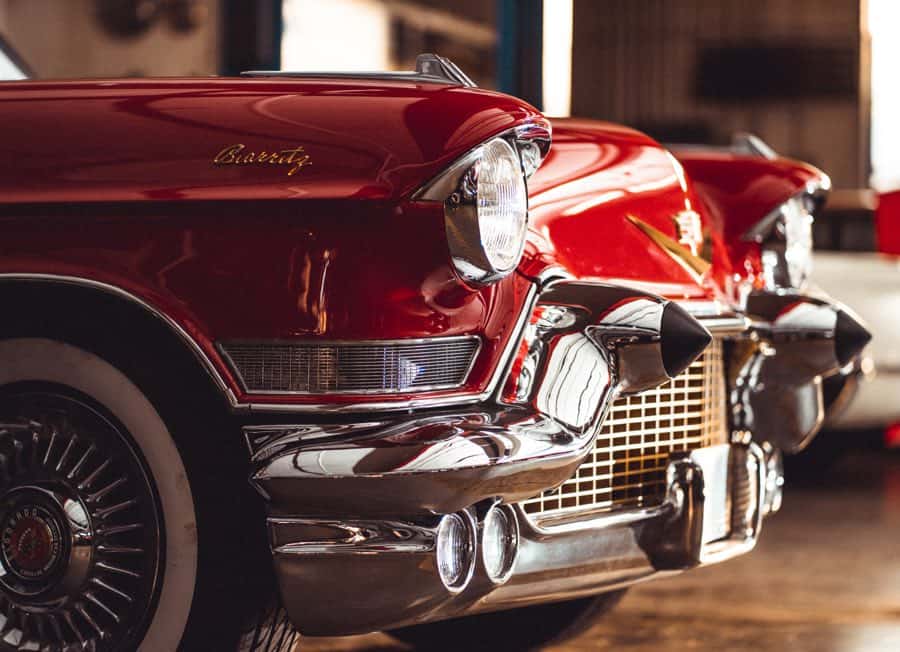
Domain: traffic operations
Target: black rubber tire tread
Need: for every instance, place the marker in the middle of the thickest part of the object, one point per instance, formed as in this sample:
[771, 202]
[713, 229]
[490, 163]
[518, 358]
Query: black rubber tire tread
[514, 630]
[271, 632]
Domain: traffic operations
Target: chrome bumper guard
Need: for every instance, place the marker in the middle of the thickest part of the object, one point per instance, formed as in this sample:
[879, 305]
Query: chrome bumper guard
[383, 573]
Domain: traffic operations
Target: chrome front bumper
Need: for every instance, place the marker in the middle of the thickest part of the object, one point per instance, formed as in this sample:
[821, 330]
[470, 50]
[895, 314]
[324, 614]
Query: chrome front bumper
[372, 574]
[356, 505]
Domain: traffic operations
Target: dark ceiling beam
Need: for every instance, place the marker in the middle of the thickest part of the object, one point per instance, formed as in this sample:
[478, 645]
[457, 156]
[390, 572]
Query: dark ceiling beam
[520, 49]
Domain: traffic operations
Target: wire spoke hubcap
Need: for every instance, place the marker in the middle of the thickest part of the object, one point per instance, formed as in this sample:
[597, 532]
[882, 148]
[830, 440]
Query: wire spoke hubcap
[80, 544]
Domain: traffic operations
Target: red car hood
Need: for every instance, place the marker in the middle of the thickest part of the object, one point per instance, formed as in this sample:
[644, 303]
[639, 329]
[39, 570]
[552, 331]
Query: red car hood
[160, 139]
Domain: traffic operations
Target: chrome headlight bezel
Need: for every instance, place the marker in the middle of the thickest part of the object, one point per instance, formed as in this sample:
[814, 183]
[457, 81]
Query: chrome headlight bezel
[786, 240]
[465, 226]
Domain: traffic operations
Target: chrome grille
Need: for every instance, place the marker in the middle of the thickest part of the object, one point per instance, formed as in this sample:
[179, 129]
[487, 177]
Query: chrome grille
[627, 467]
[354, 367]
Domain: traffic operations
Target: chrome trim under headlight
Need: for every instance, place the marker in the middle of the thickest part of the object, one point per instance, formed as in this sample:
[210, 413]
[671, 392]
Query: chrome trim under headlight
[355, 367]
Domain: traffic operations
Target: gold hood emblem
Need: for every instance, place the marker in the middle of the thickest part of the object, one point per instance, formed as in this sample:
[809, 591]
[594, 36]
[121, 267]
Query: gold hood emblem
[677, 250]
[293, 159]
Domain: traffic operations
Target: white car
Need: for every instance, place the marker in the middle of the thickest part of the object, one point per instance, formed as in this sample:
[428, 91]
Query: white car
[869, 283]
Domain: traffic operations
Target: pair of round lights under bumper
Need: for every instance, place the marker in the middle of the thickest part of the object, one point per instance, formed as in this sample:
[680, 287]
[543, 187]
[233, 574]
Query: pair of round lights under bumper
[487, 214]
[455, 547]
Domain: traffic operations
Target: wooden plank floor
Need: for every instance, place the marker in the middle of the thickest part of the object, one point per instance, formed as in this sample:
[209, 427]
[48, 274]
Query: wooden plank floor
[825, 578]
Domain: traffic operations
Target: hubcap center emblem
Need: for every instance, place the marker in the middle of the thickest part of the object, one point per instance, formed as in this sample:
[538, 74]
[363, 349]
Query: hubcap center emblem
[30, 542]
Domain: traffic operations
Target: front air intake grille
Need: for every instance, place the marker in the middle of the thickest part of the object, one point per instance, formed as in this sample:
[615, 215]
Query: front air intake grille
[353, 367]
[627, 467]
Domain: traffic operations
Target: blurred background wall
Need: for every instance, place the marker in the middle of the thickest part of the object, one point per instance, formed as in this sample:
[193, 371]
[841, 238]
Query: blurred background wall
[796, 72]
[76, 38]
[793, 71]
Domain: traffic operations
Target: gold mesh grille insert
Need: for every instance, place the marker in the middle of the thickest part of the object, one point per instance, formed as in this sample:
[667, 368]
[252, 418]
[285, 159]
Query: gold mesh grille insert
[627, 467]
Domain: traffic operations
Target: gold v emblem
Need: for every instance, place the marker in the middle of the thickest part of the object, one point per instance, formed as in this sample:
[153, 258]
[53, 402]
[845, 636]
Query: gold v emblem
[681, 254]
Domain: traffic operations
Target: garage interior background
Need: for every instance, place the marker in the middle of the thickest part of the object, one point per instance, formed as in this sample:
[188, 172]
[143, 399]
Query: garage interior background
[816, 79]
[695, 70]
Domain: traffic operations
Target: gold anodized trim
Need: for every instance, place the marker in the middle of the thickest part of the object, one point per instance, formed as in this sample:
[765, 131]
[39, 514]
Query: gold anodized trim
[692, 264]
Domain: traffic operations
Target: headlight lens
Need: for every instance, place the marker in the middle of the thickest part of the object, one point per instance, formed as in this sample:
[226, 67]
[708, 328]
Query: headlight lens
[502, 205]
[786, 241]
[487, 214]
[798, 221]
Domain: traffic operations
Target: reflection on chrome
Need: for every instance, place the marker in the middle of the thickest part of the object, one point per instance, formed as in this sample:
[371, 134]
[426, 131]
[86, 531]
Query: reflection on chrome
[777, 389]
[364, 498]
[579, 380]
[588, 342]
[417, 465]
[561, 372]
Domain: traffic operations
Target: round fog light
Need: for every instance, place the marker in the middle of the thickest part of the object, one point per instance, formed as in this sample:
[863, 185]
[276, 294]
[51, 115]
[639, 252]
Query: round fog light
[500, 540]
[455, 552]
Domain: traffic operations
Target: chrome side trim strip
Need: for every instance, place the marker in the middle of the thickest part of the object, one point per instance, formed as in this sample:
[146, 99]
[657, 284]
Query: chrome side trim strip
[370, 406]
[350, 537]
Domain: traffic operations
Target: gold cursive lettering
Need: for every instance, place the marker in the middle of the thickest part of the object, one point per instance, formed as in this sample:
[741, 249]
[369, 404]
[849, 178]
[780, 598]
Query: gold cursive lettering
[294, 159]
[227, 155]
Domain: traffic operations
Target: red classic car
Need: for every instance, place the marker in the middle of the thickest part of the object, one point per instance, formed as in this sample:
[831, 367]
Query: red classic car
[358, 352]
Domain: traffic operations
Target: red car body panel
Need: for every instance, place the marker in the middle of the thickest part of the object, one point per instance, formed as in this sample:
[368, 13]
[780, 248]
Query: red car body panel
[739, 190]
[114, 182]
[331, 270]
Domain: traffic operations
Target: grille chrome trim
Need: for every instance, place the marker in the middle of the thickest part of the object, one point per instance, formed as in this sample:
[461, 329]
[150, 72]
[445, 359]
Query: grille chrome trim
[352, 367]
[627, 466]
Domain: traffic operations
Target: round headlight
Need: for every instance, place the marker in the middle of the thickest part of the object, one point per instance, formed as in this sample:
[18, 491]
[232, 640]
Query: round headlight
[502, 205]
[798, 241]
[487, 215]
[787, 246]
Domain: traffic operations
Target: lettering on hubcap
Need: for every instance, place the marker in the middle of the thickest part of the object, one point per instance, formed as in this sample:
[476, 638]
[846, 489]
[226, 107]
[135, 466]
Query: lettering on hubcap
[30, 542]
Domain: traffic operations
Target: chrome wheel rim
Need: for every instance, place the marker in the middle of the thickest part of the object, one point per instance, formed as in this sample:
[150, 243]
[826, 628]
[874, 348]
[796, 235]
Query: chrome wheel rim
[80, 526]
